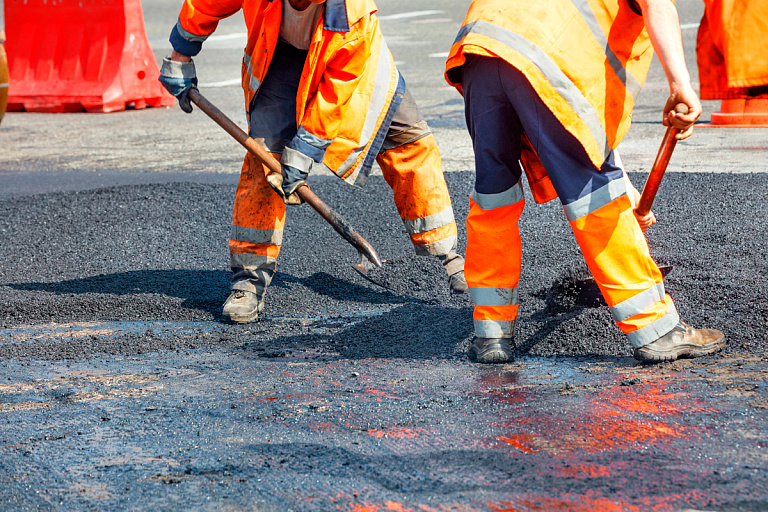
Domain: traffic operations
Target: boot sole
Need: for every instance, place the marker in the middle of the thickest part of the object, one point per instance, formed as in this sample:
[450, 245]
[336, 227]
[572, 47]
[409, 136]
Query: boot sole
[683, 351]
[493, 354]
[243, 319]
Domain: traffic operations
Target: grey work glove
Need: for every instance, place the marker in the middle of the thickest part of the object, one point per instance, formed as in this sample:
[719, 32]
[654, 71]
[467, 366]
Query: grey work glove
[288, 193]
[179, 78]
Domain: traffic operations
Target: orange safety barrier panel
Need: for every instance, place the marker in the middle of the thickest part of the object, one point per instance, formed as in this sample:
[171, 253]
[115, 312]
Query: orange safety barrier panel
[69, 56]
[3, 77]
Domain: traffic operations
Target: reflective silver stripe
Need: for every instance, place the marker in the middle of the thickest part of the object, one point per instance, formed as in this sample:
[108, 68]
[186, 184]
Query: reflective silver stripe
[253, 82]
[189, 36]
[312, 139]
[430, 222]
[252, 261]
[554, 75]
[379, 97]
[296, 159]
[507, 198]
[494, 328]
[596, 200]
[256, 236]
[3, 86]
[494, 296]
[438, 248]
[656, 330]
[638, 303]
[630, 82]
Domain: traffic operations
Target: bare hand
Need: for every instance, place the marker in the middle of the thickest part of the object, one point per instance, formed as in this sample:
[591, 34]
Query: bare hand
[645, 221]
[684, 122]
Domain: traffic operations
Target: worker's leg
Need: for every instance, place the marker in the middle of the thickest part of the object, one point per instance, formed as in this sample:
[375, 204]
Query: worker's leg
[258, 216]
[600, 213]
[494, 251]
[410, 162]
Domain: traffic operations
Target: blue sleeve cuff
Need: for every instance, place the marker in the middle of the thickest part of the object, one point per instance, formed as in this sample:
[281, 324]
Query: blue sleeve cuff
[302, 146]
[183, 46]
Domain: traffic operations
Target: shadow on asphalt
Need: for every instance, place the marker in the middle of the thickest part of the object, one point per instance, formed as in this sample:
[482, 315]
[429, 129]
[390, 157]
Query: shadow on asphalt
[206, 290]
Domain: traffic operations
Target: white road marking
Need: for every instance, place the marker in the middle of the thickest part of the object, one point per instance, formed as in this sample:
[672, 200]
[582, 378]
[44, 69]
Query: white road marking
[404, 15]
[441, 55]
[225, 83]
[689, 26]
[228, 37]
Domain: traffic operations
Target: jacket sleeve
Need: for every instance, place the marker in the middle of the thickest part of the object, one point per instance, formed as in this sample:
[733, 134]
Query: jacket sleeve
[327, 108]
[197, 20]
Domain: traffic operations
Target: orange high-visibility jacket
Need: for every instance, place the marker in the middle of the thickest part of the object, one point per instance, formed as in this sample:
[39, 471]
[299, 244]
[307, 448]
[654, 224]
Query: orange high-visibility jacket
[587, 60]
[732, 48]
[349, 89]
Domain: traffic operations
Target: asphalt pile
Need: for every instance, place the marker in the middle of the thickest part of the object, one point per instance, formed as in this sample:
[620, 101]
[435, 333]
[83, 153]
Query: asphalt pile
[158, 252]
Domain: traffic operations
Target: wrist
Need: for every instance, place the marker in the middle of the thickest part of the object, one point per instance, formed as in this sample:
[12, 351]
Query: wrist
[180, 57]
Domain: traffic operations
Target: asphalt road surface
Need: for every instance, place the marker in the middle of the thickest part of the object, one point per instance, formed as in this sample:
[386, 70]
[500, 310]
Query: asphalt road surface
[122, 388]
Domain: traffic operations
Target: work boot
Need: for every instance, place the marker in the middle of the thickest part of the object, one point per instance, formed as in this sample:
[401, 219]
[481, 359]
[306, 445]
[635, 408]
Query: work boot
[490, 350]
[682, 341]
[454, 266]
[243, 307]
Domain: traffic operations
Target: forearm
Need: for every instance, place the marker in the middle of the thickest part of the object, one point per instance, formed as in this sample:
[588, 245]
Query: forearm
[663, 25]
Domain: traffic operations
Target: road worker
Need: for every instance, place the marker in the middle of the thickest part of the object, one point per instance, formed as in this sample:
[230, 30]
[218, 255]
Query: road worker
[322, 92]
[551, 86]
[732, 57]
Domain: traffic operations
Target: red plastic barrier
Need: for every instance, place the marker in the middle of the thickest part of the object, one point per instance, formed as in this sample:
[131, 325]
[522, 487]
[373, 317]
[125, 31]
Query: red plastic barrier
[3, 77]
[73, 55]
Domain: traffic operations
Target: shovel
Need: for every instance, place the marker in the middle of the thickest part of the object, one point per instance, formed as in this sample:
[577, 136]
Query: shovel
[588, 290]
[368, 256]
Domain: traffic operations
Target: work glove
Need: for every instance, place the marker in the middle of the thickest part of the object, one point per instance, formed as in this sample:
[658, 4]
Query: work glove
[288, 182]
[179, 78]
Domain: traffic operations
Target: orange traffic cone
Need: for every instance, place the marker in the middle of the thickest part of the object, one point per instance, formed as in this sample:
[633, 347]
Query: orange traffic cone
[749, 111]
[3, 77]
[89, 55]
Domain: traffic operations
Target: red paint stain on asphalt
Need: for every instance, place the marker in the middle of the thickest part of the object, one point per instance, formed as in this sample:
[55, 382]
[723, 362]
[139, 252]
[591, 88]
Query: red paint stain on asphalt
[617, 419]
[273, 398]
[522, 442]
[396, 433]
[585, 471]
[562, 504]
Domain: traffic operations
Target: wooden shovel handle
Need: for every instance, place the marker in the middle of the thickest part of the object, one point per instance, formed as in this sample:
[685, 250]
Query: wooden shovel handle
[653, 181]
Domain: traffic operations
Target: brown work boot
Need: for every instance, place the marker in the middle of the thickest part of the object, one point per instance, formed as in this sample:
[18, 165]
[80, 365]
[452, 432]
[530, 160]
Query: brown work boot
[491, 351]
[682, 341]
[454, 267]
[243, 307]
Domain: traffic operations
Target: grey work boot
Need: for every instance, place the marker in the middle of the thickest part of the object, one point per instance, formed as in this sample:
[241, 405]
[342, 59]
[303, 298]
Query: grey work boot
[454, 266]
[243, 307]
[682, 341]
[491, 351]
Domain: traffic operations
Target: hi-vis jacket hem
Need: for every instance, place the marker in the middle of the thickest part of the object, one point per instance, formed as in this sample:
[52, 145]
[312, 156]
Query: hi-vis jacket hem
[349, 89]
[494, 328]
[586, 70]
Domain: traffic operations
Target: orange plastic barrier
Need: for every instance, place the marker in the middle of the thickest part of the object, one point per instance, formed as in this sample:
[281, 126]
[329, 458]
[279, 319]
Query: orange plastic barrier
[89, 55]
[3, 77]
[742, 111]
